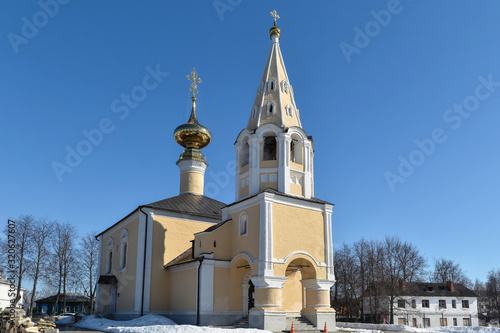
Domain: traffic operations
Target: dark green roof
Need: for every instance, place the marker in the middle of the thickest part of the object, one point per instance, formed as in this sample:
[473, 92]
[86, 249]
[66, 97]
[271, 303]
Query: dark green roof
[191, 204]
[430, 289]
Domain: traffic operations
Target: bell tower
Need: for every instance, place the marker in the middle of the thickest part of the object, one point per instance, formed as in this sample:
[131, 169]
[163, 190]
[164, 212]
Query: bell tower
[273, 151]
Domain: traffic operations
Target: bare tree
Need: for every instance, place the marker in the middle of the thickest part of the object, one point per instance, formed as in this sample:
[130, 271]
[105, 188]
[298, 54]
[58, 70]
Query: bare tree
[392, 248]
[448, 270]
[412, 263]
[23, 240]
[88, 253]
[493, 290]
[402, 263]
[63, 254]
[42, 231]
[347, 292]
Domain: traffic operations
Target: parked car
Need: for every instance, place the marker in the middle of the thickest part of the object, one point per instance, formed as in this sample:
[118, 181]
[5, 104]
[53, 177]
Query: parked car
[69, 317]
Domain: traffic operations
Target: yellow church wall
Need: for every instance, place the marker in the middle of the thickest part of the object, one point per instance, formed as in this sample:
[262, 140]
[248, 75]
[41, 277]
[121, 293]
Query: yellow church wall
[293, 292]
[297, 166]
[126, 277]
[182, 294]
[268, 296]
[297, 229]
[296, 189]
[244, 191]
[264, 185]
[227, 238]
[221, 290]
[248, 242]
[192, 181]
[244, 168]
[271, 163]
[171, 237]
[217, 242]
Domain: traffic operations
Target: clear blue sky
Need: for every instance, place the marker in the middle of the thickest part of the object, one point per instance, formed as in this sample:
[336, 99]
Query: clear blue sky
[364, 97]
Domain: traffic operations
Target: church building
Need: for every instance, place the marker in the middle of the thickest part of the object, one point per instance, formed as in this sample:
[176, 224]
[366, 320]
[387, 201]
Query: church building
[265, 257]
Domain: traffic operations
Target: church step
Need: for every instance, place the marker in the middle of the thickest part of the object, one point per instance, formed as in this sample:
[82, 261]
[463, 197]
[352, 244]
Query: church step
[242, 323]
[300, 324]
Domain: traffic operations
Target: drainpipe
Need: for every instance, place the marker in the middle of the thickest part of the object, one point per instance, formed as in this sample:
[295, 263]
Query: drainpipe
[144, 265]
[200, 260]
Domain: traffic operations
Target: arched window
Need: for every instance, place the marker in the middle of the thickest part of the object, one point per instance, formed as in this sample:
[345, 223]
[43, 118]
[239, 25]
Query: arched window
[296, 149]
[243, 223]
[254, 111]
[109, 255]
[269, 151]
[123, 248]
[271, 108]
[245, 152]
[271, 84]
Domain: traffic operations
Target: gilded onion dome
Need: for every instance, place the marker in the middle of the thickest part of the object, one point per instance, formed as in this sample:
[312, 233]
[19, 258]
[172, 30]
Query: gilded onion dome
[192, 135]
[274, 29]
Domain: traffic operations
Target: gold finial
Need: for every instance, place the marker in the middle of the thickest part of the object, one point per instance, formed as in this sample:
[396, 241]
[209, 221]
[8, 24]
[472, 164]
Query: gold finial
[275, 15]
[274, 30]
[193, 77]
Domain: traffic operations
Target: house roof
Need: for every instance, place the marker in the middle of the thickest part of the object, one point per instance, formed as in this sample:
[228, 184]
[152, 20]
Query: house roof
[192, 204]
[184, 257]
[186, 203]
[107, 279]
[436, 289]
[274, 191]
[70, 297]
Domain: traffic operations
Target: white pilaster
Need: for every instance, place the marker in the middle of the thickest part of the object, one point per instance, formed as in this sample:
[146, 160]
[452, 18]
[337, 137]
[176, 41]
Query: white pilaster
[308, 180]
[327, 218]
[237, 179]
[207, 285]
[284, 163]
[98, 272]
[254, 167]
[266, 235]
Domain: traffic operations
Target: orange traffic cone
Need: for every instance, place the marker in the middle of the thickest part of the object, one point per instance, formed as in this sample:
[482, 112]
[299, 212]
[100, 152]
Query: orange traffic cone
[326, 329]
[292, 330]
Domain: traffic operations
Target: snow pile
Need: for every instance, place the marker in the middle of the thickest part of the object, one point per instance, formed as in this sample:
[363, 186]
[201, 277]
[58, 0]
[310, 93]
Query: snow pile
[403, 328]
[151, 324]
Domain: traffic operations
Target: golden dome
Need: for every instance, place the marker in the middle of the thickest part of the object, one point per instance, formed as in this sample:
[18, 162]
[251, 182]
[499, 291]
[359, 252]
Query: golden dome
[192, 134]
[274, 30]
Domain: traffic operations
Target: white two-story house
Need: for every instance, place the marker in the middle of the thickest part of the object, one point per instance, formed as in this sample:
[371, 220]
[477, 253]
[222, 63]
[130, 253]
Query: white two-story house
[422, 304]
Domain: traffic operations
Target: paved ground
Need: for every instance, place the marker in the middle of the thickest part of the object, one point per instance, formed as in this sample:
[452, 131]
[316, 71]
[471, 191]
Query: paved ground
[70, 328]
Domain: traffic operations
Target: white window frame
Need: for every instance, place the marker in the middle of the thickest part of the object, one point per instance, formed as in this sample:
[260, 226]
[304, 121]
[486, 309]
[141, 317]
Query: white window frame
[271, 107]
[109, 249]
[123, 250]
[243, 224]
[271, 84]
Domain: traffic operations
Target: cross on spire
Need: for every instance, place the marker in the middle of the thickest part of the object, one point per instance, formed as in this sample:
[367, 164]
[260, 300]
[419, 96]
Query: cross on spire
[275, 15]
[195, 79]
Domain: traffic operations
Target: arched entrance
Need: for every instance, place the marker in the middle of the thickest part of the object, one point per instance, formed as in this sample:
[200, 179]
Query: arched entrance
[248, 295]
[294, 297]
[241, 288]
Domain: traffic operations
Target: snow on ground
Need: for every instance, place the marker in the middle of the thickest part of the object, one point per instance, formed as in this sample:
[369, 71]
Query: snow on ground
[152, 324]
[402, 328]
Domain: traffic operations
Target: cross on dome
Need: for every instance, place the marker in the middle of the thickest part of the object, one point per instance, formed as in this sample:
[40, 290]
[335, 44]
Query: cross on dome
[275, 15]
[195, 79]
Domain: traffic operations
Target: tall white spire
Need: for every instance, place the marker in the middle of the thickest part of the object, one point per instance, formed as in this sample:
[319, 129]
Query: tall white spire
[273, 151]
[274, 103]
